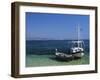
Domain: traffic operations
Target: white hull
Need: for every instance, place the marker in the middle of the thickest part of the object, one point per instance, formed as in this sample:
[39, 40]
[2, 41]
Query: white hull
[63, 56]
[68, 56]
[79, 55]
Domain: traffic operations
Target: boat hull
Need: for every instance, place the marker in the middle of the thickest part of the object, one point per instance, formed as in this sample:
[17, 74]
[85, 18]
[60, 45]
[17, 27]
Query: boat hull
[64, 57]
[78, 55]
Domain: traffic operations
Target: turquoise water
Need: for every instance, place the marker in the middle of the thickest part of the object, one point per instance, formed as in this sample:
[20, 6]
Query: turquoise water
[42, 53]
[47, 60]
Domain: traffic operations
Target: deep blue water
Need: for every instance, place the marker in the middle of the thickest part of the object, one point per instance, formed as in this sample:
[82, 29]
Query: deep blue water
[47, 47]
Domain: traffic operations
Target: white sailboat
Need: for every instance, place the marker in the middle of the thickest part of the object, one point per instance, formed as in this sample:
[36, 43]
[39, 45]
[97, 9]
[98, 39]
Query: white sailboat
[76, 50]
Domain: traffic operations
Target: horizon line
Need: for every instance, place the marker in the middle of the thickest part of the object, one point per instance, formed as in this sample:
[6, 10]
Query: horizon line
[53, 39]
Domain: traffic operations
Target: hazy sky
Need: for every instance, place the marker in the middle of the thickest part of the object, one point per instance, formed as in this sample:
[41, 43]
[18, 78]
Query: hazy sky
[56, 26]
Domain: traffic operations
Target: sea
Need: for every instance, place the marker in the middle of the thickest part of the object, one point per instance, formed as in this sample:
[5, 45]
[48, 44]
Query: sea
[42, 53]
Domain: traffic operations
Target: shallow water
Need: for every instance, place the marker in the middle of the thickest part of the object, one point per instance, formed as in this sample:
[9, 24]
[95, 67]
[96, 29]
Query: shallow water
[42, 53]
[49, 60]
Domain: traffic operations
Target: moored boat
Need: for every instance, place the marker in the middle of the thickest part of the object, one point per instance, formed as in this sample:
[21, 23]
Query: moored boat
[76, 50]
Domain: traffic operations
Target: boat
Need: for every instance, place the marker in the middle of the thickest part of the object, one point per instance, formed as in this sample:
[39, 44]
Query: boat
[63, 56]
[76, 50]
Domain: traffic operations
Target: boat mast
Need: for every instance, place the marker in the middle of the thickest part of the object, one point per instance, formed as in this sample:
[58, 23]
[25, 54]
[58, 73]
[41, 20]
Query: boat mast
[78, 34]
